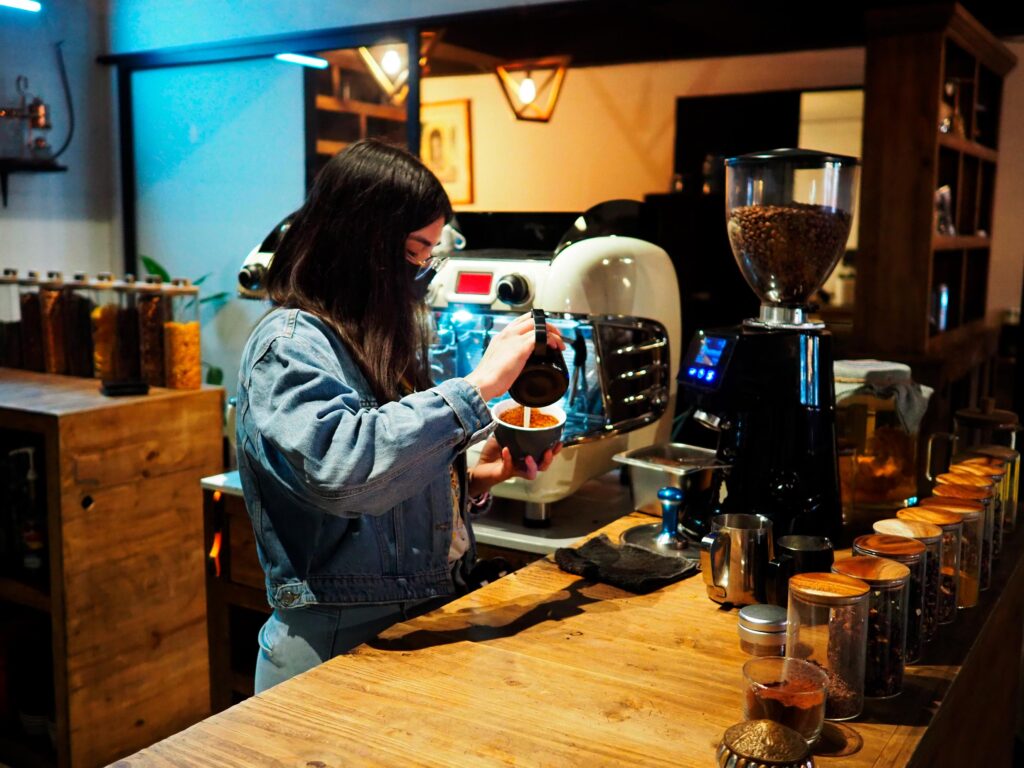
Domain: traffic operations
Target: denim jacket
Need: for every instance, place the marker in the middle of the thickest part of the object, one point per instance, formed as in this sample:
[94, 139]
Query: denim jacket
[351, 502]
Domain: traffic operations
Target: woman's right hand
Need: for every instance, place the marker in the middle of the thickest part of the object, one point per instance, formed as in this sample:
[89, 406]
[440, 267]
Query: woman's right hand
[506, 355]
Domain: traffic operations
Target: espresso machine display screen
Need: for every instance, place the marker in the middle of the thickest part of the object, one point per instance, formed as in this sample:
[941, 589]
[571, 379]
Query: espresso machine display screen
[707, 359]
[475, 283]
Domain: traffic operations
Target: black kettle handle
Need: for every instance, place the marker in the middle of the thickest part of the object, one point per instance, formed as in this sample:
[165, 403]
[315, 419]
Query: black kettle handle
[540, 328]
[780, 569]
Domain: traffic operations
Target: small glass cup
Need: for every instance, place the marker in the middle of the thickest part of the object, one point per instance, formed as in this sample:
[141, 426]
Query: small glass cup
[789, 691]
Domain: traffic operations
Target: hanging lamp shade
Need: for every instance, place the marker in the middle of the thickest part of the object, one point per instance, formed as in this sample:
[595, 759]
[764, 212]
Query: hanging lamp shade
[532, 86]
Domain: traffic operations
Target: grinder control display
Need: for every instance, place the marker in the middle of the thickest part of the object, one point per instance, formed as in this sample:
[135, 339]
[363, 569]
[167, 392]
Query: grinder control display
[706, 360]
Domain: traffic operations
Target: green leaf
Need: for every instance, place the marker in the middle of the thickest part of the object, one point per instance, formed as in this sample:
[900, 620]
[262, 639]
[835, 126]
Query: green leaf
[215, 376]
[219, 296]
[154, 267]
[200, 280]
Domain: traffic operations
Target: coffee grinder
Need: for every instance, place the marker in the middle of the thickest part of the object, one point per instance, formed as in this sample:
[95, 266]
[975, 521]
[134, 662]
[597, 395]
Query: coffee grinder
[765, 387]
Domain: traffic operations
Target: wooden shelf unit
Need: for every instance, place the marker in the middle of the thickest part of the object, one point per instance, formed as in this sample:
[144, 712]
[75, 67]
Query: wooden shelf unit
[126, 601]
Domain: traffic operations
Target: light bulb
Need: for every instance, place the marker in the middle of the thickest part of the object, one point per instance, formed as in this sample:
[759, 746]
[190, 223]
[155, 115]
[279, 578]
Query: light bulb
[527, 90]
[391, 62]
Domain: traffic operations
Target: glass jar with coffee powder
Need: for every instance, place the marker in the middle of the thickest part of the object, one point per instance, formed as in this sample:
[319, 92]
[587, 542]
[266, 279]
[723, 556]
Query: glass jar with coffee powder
[31, 322]
[910, 553]
[950, 486]
[886, 655]
[154, 313]
[931, 536]
[949, 569]
[972, 519]
[182, 361]
[10, 320]
[826, 624]
[78, 307]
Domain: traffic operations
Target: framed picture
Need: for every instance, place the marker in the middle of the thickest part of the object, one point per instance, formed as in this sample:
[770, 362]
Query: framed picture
[446, 146]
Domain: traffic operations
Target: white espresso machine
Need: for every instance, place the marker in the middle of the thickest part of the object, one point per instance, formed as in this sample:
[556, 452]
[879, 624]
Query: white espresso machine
[615, 300]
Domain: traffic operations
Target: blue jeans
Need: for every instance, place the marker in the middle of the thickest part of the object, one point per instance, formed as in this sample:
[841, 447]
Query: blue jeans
[298, 639]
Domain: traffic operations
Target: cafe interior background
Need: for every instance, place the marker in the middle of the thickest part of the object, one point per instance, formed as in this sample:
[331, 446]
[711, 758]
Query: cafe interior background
[191, 140]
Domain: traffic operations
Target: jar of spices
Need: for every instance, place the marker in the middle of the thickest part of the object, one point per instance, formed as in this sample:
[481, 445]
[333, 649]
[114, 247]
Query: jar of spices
[182, 361]
[949, 570]
[931, 536]
[1009, 460]
[762, 629]
[154, 313]
[31, 322]
[910, 553]
[78, 307]
[1000, 485]
[10, 320]
[827, 624]
[949, 486]
[972, 520]
[126, 349]
[104, 327]
[887, 621]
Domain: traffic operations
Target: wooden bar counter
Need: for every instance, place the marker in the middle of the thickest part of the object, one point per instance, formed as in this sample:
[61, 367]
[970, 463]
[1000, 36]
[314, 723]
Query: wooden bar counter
[543, 668]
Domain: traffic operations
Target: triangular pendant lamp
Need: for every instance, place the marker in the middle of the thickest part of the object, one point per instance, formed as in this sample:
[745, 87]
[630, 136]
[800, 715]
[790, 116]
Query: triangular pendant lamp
[389, 65]
[532, 87]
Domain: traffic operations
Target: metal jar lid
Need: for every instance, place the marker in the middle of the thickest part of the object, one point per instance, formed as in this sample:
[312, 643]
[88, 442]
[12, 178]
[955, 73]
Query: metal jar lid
[763, 744]
[763, 617]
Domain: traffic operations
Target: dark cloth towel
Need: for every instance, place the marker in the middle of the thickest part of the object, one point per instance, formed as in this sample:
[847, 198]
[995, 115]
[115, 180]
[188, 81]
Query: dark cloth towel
[626, 566]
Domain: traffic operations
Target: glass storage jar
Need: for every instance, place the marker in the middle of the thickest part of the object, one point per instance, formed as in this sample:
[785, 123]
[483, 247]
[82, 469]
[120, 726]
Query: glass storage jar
[949, 486]
[1000, 487]
[1009, 460]
[762, 629]
[826, 624]
[949, 571]
[931, 536]
[51, 312]
[104, 327]
[78, 306]
[126, 349]
[182, 361]
[972, 535]
[154, 313]
[910, 553]
[888, 614]
[10, 320]
[31, 322]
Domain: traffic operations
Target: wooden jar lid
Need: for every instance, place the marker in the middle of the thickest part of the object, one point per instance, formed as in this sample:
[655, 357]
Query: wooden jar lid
[934, 515]
[962, 490]
[997, 451]
[951, 504]
[875, 571]
[977, 470]
[884, 545]
[828, 588]
[912, 529]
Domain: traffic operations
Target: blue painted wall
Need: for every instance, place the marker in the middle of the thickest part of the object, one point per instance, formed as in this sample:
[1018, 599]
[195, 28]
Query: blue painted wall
[219, 161]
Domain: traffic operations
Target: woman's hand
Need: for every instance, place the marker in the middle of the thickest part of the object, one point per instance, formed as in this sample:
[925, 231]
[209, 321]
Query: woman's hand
[495, 465]
[506, 355]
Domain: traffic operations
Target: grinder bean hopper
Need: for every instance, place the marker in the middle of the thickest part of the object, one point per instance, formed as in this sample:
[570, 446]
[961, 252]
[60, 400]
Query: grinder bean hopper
[765, 386]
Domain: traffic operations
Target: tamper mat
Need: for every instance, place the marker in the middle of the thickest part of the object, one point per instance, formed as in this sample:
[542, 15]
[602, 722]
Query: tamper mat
[628, 567]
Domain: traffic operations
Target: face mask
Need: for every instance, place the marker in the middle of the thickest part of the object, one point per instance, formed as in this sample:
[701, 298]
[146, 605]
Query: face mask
[420, 278]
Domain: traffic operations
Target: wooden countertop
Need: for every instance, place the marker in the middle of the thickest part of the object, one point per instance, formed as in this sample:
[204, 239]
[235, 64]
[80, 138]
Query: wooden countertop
[543, 668]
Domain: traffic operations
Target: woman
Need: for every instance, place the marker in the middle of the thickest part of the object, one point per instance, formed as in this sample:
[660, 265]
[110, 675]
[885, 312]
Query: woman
[351, 460]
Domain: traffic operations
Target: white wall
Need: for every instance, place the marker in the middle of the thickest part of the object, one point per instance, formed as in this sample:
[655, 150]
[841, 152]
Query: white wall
[63, 220]
[1006, 270]
[220, 159]
[138, 25]
[613, 130]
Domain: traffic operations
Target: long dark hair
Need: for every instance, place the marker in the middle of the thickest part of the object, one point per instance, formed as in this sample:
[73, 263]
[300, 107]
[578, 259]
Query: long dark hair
[343, 259]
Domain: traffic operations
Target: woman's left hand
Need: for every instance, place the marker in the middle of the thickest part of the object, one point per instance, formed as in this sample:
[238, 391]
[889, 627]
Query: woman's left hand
[496, 465]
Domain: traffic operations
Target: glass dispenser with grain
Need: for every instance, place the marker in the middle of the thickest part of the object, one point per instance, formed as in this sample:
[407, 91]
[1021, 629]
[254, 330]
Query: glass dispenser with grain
[104, 326]
[79, 303]
[827, 625]
[31, 322]
[888, 611]
[910, 553]
[10, 320]
[972, 519]
[51, 313]
[949, 568]
[154, 313]
[182, 361]
[931, 536]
